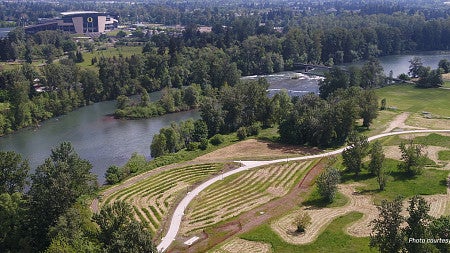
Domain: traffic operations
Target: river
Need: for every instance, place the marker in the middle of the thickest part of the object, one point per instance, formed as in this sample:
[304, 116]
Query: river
[97, 137]
[105, 141]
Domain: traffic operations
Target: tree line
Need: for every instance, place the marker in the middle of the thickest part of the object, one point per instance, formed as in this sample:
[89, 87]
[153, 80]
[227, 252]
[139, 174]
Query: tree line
[52, 215]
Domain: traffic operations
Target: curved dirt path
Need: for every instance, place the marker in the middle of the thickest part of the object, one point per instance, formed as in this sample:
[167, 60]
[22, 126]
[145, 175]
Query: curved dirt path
[320, 218]
[179, 211]
[399, 122]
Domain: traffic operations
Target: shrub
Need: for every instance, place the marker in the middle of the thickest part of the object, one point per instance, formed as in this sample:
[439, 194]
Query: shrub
[414, 158]
[302, 221]
[242, 133]
[327, 183]
[203, 144]
[217, 139]
[135, 163]
[254, 129]
[383, 104]
[192, 146]
[113, 175]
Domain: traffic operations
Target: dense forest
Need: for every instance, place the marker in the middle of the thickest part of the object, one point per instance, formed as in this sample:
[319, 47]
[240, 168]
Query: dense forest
[243, 45]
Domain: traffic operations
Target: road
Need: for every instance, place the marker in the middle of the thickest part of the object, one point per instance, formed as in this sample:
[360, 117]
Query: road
[246, 165]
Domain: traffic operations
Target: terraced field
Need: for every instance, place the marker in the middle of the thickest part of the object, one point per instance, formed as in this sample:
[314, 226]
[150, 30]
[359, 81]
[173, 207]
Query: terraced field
[153, 197]
[242, 192]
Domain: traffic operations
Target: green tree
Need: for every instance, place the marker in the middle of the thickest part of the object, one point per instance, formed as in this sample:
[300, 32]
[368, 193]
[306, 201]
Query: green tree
[368, 102]
[145, 98]
[355, 153]
[113, 174]
[12, 222]
[386, 232]
[200, 131]
[439, 229]
[281, 106]
[336, 79]
[120, 233]
[416, 67]
[327, 183]
[376, 164]
[444, 64]
[413, 157]
[212, 115]
[159, 145]
[418, 221]
[430, 78]
[74, 232]
[13, 172]
[372, 74]
[122, 102]
[56, 185]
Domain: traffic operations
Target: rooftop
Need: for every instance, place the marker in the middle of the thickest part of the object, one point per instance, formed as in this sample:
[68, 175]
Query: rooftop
[67, 13]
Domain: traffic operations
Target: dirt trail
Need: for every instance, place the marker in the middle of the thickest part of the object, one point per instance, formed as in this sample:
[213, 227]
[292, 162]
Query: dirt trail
[399, 122]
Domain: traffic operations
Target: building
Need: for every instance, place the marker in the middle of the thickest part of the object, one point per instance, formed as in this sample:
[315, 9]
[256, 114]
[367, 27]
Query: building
[80, 22]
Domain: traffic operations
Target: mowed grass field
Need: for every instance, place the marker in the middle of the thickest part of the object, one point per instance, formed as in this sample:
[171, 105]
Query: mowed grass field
[333, 239]
[242, 192]
[153, 197]
[408, 98]
[125, 51]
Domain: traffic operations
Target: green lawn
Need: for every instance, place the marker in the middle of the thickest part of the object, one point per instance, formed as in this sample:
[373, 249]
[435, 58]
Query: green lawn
[314, 199]
[444, 155]
[431, 182]
[333, 239]
[109, 52]
[411, 99]
[433, 139]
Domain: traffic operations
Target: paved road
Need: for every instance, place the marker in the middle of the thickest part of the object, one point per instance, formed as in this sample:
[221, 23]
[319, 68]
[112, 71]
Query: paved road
[179, 211]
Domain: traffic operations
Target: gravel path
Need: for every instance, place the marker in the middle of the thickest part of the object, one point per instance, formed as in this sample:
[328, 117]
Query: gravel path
[179, 211]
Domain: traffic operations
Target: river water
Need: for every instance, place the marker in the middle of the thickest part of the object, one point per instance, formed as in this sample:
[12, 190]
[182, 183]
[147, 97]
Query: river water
[97, 137]
[105, 141]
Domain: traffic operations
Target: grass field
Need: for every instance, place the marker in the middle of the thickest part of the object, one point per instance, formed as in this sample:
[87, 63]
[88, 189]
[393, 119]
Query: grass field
[242, 192]
[444, 155]
[333, 239]
[411, 99]
[314, 199]
[430, 182]
[125, 51]
[433, 139]
[153, 197]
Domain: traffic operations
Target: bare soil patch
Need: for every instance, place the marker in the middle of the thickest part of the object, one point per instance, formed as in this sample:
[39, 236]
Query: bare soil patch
[238, 245]
[255, 149]
[398, 123]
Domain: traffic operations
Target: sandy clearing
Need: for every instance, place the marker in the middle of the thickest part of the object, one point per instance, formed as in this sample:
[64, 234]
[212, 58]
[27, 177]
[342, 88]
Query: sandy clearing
[238, 245]
[256, 149]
